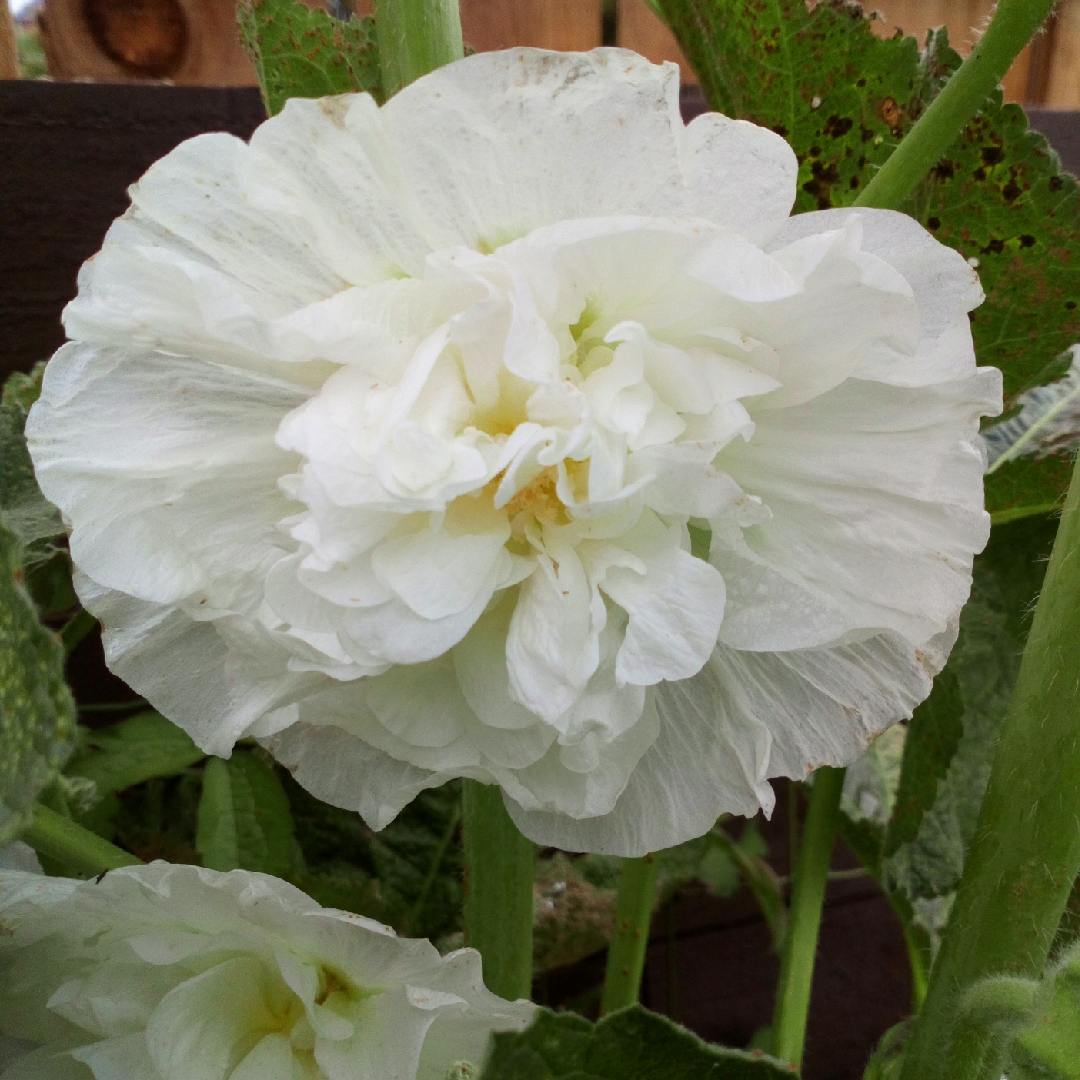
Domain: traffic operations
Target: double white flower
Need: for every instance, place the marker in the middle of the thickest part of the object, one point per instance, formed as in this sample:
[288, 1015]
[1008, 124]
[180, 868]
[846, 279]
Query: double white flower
[171, 972]
[383, 439]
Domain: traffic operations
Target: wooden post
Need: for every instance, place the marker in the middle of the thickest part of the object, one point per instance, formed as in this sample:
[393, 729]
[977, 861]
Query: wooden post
[568, 25]
[1062, 41]
[188, 42]
[9, 49]
[638, 28]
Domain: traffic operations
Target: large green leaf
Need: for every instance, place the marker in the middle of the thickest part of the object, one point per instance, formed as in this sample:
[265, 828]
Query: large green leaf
[632, 1044]
[303, 52]
[843, 99]
[953, 737]
[37, 713]
[136, 749]
[244, 817]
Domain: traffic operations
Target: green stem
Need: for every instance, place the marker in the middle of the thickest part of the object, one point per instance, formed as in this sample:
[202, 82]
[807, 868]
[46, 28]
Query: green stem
[84, 853]
[1012, 26]
[807, 899]
[630, 938]
[499, 869]
[415, 37]
[413, 917]
[1025, 854]
[75, 629]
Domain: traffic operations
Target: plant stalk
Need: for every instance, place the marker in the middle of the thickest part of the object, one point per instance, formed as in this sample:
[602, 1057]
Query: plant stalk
[1025, 854]
[1013, 24]
[415, 37]
[807, 899]
[499, 869]
[630, 938]
[84, 853]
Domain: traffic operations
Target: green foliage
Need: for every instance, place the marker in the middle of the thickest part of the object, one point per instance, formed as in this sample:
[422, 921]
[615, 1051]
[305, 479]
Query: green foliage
[303, 52]
[843, 99]
[407, 876]
[1029, 1029]
[136, 749]
[573, 917]
[244, 817]
[632, 1042]
[953, 737]
[23, 509]
[37, 713]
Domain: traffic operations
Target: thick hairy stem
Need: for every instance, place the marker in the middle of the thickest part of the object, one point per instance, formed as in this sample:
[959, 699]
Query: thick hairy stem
[415, 37]
[499, 869]
[1012, 26]
[81, 852]
[1025, 854]
[630, 937]
[807, 898]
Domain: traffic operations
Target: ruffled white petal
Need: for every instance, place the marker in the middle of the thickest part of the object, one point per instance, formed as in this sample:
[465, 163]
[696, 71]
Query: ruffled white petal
[744, 718]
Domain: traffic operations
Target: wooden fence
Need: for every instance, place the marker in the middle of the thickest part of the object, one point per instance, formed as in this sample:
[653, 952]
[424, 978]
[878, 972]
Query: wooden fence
[193, 42]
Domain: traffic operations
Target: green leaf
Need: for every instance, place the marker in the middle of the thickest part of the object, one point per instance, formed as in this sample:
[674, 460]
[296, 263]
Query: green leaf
[1000, 198]
[840, 96]
[1048, 421]
[244, 817]
[631, 1043]
[303, 52]
[37, 713]
[953, 737]
[23, 509]
[843, 99]
[136, 749]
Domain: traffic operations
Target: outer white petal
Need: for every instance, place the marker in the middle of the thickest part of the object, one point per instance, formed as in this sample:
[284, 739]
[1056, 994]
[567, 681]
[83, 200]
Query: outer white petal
[142, 450]
[944, 285]
[345, 771]
[875, 497]
[746, 717]
[500, 143]
[238, 685]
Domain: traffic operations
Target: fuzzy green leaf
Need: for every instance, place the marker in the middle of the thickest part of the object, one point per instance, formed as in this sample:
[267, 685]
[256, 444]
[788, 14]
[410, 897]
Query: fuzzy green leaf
[632, 1042]
[302, 52]
[37, 713]
[136, 749]
[23, 509]
[952, 739]
[244, 817]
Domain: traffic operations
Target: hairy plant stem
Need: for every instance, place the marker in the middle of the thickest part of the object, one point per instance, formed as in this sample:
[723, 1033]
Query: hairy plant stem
[1025, 854]
[75, 629]
[1012, 26]
[82, 852]
[415, 37]
[804, 917]
[630, 938]
[499, 869]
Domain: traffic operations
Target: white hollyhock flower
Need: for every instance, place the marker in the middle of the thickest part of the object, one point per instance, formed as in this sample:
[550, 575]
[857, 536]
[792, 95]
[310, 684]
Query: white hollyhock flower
[382, 438]
[166, 972]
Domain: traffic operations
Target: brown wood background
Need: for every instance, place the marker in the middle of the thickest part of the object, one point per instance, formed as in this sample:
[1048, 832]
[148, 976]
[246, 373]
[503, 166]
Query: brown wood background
[194, 42]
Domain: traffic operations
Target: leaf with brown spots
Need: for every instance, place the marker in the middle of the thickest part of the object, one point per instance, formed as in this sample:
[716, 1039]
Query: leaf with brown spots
[840, 96]
[300, 52]
[999, 198]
